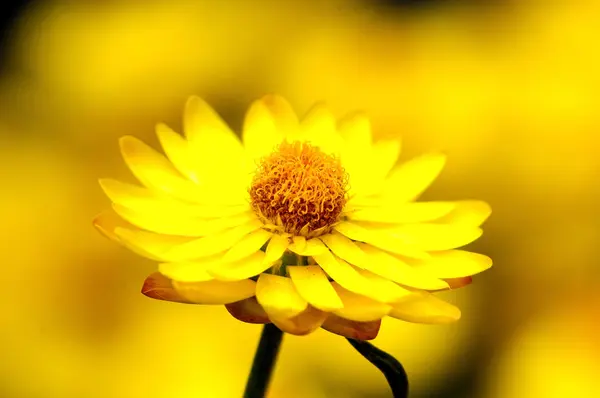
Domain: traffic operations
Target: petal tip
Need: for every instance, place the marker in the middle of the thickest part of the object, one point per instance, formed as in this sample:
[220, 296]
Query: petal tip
[159, 287]
[162, 128]
[193, 100]
[248, 311]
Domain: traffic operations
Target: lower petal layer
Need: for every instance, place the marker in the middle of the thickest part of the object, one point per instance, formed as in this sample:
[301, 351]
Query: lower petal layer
[312, 284]
[215, 292]
[279, 297]
[159, 287]
[424, 307]
[457, 283]
[351, 329]
[302, 324]
[248, 311]
[359, 308]
[106, 223]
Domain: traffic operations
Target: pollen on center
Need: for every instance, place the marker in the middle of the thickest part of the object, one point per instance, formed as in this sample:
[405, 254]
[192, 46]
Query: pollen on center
[299, 188]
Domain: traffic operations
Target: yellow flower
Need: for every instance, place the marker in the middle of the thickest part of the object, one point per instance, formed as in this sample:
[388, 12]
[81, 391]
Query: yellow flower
[305, 224]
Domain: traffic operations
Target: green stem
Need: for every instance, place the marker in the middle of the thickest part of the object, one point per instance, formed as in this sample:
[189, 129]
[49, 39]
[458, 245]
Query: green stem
[264, 362]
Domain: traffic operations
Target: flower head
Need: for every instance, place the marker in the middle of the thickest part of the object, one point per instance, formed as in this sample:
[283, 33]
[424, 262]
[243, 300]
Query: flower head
[306, 224]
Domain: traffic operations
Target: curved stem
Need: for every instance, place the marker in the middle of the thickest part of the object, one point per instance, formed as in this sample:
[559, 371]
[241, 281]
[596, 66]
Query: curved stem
[391, 368]
[264, 362]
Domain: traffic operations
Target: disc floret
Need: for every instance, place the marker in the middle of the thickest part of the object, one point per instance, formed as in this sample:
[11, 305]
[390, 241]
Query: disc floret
[299, 189]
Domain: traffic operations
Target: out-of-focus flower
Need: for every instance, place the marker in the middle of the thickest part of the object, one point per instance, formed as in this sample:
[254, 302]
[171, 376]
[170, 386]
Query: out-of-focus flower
[95, 63]
[308, 224]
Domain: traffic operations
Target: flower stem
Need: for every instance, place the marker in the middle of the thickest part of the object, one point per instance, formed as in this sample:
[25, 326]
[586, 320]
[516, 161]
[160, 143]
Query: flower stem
[391, 368]
[264, 362]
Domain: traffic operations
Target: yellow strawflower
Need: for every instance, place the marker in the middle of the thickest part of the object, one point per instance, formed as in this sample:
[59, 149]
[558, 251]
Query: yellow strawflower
[304, 224]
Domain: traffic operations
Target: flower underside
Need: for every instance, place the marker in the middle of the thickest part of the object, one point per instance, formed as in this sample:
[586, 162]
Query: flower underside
[299, 189]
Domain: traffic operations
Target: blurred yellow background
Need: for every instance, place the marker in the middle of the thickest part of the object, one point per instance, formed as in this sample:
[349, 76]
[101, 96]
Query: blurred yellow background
[509, 89]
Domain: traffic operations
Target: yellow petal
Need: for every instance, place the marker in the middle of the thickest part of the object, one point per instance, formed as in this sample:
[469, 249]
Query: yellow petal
[154, 171]
[248, 310]
[144, 199]
[299, 243]
[384, 155]
[351, 329]
[177, 150]
[133, 196]
[282, 113]
[243, 268]
[468, 213]
[203, 124]
[159, 287]
[457, 283]
[344, 248]
[213, 145]
[341, 272]
[380, 238]
[275, 249]
[311, 247]
[267, 122]
[247, 245]
[312, 284]
[432, 237]
[211, 244]
[453, 264]
[106, 223]
[355, 129]
[191, 271]
[279, 297]
[215, 292]
[413, 212]
[396, 270]
[382, 289]
[148, 244]
[359, 308]
[302, 324]
[424, 307]
[182, 225]
[319, 129]
[407, 181]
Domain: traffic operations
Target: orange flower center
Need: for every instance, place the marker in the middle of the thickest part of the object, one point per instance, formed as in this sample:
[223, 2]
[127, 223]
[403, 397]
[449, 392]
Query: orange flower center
[299, 189]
